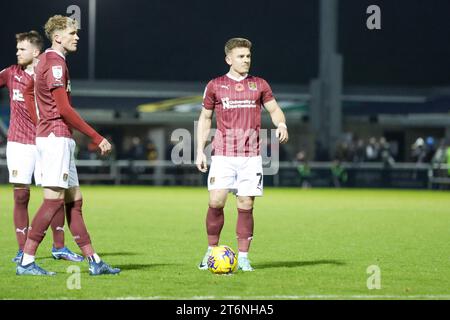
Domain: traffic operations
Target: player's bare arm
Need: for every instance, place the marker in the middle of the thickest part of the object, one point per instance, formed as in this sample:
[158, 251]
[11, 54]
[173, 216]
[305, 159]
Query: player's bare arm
[203, 128]
[278, 120]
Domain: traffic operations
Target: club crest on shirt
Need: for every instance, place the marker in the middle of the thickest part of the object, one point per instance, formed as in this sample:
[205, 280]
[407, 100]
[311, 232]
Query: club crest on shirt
[14, 173]
[65, 177]
[212, 180]
[239, 87]
[252, 86]
[57, 72]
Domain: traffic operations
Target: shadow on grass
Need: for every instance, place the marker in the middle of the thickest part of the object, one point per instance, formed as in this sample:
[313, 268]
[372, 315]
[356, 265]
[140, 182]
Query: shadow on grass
[128, 267]
[111, 254]
[141, 266]
[103, 254]
[295, 264]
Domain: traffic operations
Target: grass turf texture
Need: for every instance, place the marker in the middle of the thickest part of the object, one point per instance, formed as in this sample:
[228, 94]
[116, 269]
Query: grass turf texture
[309, 244]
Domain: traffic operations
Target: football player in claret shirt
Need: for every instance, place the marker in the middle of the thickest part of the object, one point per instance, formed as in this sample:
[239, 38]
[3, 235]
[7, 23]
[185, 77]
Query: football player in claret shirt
[56, 149]
[21, 147]
[237, 99]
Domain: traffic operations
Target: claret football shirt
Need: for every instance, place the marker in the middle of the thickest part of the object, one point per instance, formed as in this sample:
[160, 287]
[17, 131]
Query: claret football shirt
[238, 105]
[21, 126]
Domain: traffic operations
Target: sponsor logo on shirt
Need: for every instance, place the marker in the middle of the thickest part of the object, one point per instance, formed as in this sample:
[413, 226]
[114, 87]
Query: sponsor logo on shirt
[237, 104]
[17, 95]
[18, 78]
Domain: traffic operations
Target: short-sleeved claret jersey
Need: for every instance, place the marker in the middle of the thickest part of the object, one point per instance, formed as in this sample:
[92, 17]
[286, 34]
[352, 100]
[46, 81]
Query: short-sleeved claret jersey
[51, 72]
[21, 126]
[238, 105]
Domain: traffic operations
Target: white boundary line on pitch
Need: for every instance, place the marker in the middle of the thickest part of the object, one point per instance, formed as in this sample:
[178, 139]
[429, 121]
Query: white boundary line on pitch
[293, 297]
[274, 297]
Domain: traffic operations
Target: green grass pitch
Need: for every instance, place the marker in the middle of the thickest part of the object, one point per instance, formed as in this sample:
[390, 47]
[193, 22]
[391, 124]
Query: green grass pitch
[308, 244]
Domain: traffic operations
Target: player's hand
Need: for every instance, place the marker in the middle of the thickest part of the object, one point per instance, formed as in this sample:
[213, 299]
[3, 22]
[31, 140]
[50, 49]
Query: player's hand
[282, 134]
[105, 147]
[201, 162]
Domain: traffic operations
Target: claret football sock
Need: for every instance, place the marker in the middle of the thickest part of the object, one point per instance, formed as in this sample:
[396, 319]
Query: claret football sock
[214, 224]
[21, 199]
[244, 229]
[77, 226]
[43, 219]
[57, 226]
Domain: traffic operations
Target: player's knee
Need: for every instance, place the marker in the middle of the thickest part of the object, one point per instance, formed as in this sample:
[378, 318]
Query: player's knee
[245, 203]
[36, 234]
[21, 196]
[216, 203]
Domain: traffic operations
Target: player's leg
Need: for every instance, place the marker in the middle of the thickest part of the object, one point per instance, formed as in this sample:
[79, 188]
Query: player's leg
[75, 221]
[57, 226]
[214, 221]
[20, 217]
[53, 156]
[59, 250]
[52, 204]
[221, 179]
[20, 162]
[244, 230]
[215, 218]
[249, 185]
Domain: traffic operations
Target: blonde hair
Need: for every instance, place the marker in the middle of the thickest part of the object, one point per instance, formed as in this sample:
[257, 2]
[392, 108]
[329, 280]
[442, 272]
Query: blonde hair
[237, 43]
[58, 22]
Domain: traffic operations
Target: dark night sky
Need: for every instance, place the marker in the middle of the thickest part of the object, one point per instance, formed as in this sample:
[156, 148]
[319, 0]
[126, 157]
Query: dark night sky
[183, 40]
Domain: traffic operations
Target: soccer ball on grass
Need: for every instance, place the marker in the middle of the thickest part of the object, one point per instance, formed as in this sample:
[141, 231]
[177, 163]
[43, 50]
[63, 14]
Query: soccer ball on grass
[222, 260]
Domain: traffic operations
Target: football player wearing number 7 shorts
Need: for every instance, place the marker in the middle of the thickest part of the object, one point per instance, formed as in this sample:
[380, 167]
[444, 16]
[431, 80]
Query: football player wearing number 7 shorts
[237, 98]
[21, 147]
[56, 149]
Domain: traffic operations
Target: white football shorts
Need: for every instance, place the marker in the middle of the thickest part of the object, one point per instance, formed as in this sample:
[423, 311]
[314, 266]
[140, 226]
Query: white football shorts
[241, 175]
[57, 160]
[22, 163]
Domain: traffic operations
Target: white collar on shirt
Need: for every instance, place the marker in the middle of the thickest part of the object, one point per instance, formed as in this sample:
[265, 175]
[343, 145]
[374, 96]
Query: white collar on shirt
[29, 72]
[236, 79]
